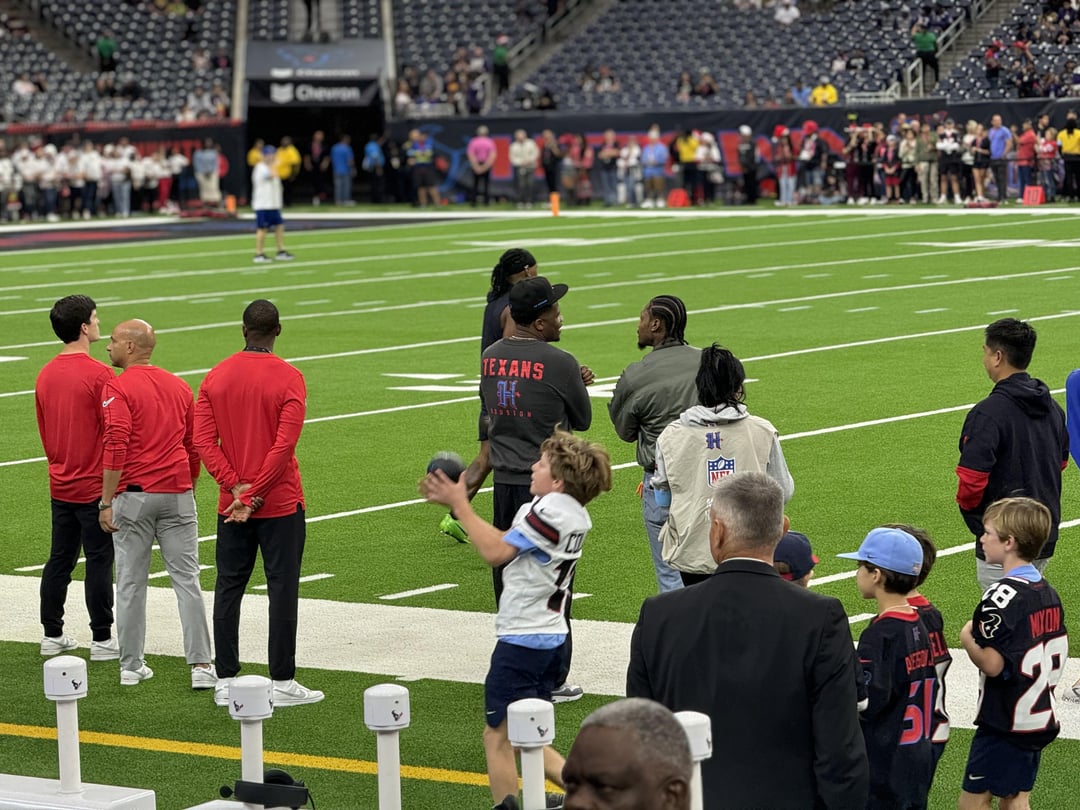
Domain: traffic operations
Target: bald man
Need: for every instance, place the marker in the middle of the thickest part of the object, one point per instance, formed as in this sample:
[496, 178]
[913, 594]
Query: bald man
[150, 468]
[630, 754]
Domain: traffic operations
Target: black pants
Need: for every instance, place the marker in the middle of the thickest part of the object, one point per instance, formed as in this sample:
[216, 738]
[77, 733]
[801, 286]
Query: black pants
[482, 185]
[1071, 188]
[281, 541]
[509, 498]
[75, 526]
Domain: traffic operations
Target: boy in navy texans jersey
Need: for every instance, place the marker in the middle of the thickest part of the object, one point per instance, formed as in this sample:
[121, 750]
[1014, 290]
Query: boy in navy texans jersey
[1017, 639]
[935, 626]
[539, 552]
[898, 668]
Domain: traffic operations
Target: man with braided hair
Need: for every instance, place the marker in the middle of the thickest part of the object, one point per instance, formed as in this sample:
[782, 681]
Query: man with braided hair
[515, 265]
[649, 396]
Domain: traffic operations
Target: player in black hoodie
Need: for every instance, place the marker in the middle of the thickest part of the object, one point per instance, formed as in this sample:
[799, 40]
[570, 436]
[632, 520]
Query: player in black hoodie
[1013, 443]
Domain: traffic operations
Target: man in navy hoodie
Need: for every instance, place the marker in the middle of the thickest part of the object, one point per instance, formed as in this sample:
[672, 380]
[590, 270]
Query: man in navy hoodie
[1013, 443]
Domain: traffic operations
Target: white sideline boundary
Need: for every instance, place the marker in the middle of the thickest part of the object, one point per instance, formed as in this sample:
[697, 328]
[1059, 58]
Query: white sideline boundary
[412, 643]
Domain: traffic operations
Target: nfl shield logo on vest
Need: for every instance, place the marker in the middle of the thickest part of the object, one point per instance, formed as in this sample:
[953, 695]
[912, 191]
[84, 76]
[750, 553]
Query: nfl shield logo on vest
[719, 468]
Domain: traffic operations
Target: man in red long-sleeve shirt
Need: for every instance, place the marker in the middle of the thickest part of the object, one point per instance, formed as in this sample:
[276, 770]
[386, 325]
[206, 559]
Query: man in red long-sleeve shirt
[247, 422]
[150, 468]
[68, 401]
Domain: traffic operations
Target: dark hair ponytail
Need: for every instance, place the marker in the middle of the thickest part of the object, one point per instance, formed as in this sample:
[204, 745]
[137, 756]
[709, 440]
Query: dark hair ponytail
[720, 378]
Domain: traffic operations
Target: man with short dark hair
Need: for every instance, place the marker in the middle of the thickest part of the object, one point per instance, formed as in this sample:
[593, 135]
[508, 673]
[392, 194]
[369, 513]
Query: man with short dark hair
[247, 422]
[67, 397]
[770, 664]
[1013, 443]
[632, 754]
[649, 396]
[530, 388]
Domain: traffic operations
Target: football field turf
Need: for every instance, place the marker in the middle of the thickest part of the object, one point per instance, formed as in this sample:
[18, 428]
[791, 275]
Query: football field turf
[861, 333]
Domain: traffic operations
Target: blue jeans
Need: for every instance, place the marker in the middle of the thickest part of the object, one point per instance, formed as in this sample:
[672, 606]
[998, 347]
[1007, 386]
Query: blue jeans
[667, 578]
[342, 188]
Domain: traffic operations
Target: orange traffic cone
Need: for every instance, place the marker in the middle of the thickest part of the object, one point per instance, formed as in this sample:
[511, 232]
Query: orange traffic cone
[554, 198]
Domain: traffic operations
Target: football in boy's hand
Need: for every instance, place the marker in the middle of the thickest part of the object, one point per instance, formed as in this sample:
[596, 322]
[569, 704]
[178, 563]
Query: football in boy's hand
[450, 463]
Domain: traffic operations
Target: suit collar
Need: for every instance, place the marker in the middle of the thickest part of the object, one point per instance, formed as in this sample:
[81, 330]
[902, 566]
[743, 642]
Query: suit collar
[746, 565]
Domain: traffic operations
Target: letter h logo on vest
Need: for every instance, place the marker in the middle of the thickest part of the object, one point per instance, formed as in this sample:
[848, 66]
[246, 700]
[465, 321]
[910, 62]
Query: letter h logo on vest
[712, 440]
[507, 393]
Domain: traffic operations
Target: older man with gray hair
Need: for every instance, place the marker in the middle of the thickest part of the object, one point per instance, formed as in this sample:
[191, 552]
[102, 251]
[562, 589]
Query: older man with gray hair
[630, 754]
[770, 664]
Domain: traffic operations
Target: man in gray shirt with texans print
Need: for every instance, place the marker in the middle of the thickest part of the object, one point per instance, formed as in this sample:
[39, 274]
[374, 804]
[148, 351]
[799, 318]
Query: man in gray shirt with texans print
[530, 388]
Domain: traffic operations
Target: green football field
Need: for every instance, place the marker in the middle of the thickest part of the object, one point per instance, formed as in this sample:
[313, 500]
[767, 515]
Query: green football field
[861, 333]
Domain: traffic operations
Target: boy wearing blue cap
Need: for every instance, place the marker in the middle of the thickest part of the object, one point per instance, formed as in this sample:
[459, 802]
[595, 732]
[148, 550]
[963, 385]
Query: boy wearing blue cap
[1017, 639]
[935, 626]
[898, 669]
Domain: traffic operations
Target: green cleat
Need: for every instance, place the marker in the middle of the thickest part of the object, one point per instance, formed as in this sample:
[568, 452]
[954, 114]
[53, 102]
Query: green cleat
[452, 526]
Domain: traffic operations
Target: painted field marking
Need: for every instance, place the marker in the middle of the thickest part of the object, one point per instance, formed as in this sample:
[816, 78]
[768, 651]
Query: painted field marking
[860, 617]
[226, 752]
[862, 309]
[795, 308]
[878, 275]
[930, 311]
[818, 275]
[307, 578]
[937, 275]
[1002, 311]
[10, 359]
[22, 460]
[419, 591]
[604, 306]
[449, 273]
[577, 596]
[420, 376]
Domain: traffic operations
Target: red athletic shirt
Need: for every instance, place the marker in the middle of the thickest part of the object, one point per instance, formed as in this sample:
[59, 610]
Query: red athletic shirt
[149, 414]
[247, 422]
[68, 400]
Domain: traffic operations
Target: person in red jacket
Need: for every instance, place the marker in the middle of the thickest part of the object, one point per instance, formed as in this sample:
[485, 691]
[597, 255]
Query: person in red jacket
[248, 420]
[149, 471]
[67, 396]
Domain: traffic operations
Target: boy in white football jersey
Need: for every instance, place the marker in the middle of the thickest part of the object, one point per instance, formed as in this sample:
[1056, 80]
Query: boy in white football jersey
[540, 551]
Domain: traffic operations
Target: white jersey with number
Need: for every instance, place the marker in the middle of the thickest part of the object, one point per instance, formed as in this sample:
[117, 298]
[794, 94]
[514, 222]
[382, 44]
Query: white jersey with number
[536, 582]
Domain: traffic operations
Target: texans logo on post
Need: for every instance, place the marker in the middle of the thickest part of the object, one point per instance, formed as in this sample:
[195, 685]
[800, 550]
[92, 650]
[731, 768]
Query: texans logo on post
[719, 468]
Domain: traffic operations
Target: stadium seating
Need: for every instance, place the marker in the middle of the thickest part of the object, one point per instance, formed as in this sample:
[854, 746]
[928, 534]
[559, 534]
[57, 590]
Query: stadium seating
[426, 36]
[154, 48]
[647, 43]
[967, 81]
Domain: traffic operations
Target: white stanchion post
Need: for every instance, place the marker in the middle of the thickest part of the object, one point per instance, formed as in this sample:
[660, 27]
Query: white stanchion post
[530, 725]
[251, 702]
[698, 728]
[65, 683]
[386, 712]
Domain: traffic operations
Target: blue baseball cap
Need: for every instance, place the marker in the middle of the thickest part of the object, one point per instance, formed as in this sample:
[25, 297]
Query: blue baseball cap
[892, 549]
[794, 550]
[269, 150]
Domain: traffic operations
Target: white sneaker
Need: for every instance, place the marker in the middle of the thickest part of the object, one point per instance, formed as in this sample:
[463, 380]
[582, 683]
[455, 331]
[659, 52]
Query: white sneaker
[942, 200]
[54, 645]
[566, 693]
[130, 677]
[262, 259]
[108, 650]
[203, 678]
[221, 691]
[290, 693]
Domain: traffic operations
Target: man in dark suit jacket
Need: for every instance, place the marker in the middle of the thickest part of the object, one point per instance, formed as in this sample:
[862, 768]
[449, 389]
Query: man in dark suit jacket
[770, 663]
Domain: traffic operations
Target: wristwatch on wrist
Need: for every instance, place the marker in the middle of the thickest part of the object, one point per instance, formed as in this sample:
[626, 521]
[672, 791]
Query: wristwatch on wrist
[102, 506]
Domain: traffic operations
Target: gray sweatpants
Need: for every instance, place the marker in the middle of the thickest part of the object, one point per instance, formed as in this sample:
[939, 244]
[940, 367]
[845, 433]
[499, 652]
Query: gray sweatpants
[172, 520]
